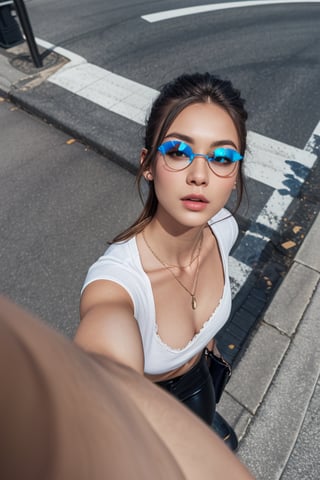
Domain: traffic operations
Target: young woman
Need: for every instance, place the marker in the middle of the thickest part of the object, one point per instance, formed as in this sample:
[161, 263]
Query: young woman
[160, 293]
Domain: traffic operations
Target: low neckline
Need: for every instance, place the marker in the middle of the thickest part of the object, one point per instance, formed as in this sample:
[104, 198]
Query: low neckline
[211, 317]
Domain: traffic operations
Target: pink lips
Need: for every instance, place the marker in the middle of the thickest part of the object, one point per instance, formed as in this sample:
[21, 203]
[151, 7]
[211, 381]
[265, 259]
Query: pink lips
[195, 202]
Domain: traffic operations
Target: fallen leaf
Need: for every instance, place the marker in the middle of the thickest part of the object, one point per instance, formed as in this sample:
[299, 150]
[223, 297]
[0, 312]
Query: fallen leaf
[70, 141]
[288, 244]
[231, 346]
[296, 229]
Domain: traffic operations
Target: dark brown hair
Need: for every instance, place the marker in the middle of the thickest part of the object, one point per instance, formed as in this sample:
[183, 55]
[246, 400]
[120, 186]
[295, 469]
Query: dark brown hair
[174, 97]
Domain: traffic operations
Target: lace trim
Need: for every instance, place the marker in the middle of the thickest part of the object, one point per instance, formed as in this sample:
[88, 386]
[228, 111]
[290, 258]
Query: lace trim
[195, 337]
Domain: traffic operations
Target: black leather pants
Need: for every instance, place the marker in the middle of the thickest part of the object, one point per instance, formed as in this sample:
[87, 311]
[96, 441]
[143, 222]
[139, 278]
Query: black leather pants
[195, 390]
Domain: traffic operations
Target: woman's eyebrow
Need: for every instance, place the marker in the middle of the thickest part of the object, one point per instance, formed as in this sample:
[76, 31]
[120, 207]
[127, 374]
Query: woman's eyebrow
[186, 138]
[219, 143]
[180, 136]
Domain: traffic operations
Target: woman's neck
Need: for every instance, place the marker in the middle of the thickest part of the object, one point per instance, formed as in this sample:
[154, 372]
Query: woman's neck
[174, 246]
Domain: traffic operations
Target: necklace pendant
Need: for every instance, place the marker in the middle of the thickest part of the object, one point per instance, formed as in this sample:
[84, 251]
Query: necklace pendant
[193, 302]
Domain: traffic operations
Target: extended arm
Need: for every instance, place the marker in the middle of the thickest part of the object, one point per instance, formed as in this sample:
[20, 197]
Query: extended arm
[93, 418]
[108, 326]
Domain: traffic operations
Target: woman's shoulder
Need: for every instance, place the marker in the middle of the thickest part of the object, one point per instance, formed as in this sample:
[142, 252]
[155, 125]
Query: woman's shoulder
[124, 253]
[119, 263]
[225, 228]
[124, 250]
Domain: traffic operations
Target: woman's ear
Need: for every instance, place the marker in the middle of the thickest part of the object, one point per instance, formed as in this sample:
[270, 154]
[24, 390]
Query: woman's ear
[147, 173]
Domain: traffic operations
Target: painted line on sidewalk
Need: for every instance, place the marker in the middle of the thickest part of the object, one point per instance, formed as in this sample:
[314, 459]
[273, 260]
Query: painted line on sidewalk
[102, 87]
[213, 7]
[108, 90]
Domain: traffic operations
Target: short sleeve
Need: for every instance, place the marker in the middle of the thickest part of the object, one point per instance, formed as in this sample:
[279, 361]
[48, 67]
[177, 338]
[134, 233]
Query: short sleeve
[225, 227]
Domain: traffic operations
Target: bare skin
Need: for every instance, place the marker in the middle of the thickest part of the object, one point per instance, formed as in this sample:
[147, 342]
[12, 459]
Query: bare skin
[69, 414]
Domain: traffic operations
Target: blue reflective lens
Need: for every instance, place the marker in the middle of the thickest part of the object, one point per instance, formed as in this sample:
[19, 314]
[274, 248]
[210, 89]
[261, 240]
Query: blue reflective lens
[176, 146]
[220, 155]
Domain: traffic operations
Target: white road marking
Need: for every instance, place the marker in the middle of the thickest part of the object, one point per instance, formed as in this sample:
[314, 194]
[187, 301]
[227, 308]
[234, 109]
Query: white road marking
[74, 59]
[106, 89]
[266, 157]
[311, 144]
[110, 91]
[272, 213]
[268, 161]
[182, 12]
[280, 166]
[239, 272]
[102, 87]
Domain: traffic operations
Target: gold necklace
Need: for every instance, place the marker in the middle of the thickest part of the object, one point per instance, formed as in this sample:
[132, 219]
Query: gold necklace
[167, 265]
[192, 292]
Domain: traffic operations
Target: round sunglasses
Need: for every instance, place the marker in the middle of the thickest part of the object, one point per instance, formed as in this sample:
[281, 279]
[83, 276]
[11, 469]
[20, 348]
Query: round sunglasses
[179, 155]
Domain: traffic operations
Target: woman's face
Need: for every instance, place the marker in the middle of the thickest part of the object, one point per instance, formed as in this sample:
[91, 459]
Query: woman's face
[192, 196]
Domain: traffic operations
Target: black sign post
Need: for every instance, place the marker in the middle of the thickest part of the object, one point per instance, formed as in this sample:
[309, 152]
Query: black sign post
[27, 29]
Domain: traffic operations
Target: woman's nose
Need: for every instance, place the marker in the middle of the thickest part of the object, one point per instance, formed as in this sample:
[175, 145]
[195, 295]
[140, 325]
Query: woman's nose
[198, 171]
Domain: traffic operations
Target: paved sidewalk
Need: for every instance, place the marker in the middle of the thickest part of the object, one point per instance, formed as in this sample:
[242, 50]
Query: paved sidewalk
[272, 399]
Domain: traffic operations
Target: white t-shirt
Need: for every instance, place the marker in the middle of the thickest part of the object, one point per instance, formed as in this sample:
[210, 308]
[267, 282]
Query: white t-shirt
[121, 264]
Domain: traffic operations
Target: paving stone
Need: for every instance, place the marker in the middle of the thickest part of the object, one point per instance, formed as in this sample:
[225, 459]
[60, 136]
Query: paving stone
[253, 375]
[8, 75]
[304, 460]
[292, 298]
[306, 254]
[235, 414]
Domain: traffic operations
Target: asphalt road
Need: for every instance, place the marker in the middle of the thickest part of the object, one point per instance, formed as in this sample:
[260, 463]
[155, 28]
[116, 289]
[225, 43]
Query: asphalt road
[271, 52]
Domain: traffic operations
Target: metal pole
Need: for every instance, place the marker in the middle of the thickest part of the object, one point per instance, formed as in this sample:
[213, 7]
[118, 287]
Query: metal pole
[27, 29]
